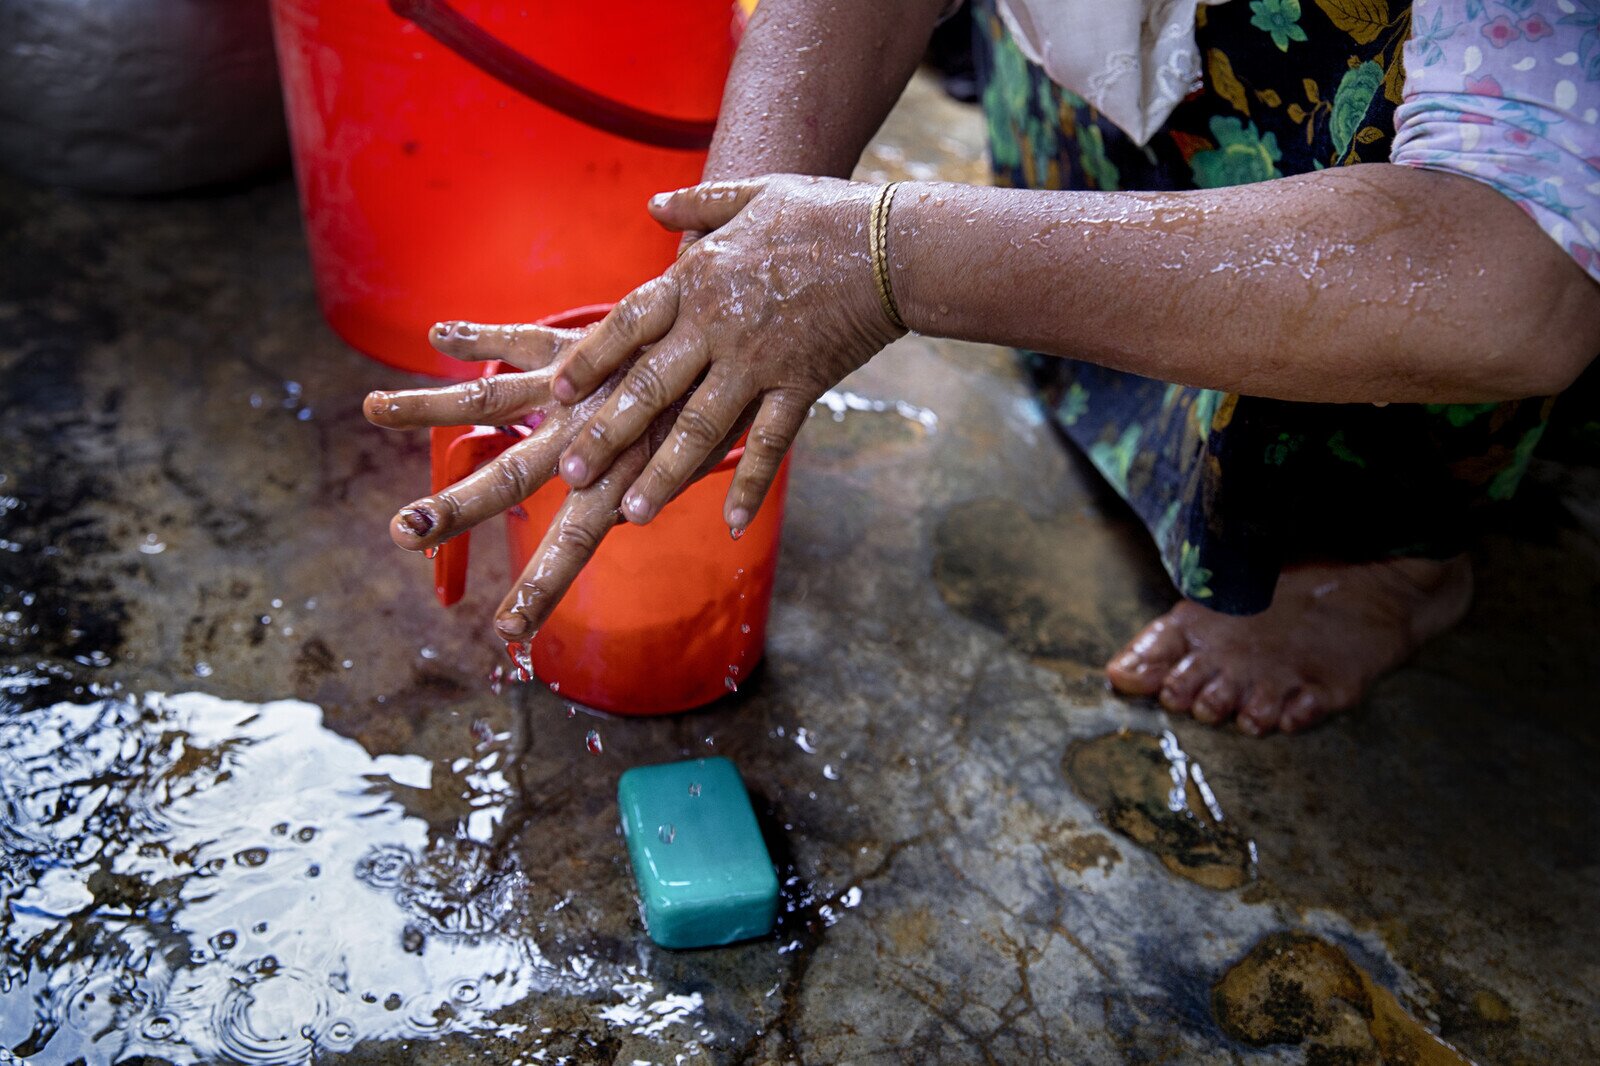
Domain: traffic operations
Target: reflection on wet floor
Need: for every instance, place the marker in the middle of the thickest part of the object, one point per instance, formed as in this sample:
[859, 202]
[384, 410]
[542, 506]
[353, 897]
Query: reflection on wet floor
[1297, 989]
[196, 879]
[1146, 788]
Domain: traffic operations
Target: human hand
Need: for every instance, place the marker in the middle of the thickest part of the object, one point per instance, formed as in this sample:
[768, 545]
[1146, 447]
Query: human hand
[770, 308]
[513, 399]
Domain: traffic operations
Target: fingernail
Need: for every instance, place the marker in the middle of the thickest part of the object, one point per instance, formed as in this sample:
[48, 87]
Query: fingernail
[637, 506]
[738, 518]
[564, 390]
[660, 199]
[417, 520]
[511, 625]
[464, 331]
[1127, 661]
[574, 469]
[1251, 726]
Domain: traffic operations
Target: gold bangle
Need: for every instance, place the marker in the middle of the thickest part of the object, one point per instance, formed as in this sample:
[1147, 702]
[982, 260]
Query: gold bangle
[878, 241]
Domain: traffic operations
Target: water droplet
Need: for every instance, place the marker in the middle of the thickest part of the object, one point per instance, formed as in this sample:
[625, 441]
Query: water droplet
[161, 1026]
[667, 833]
[572, 712]
[731, 684]
[276, 604]
[251, 857]
[224, 941]
[429, 553]
[592, 742]
[745, 628]
[555, 686]
[497, 680]
[348, 664]
[829, 772]
[736, 533]
[202, 669]
[306, 834]
[694, 788]
[429, 653]
[465, 991]
[392, 1001]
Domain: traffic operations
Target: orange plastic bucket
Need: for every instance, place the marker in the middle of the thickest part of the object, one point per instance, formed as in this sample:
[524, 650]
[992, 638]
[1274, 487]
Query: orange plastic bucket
[490, 161]
[665, 617]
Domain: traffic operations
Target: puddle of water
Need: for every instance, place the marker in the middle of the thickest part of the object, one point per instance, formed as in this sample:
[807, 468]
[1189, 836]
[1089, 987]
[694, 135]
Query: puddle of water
[1146, 788]
[202, 880]
[1294, 988]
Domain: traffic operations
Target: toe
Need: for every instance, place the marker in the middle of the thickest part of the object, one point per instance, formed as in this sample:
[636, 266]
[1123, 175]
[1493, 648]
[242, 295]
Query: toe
[1218, 701]
[1263, 708]
[1141, 667]
[1305, 709]
[1185, 682]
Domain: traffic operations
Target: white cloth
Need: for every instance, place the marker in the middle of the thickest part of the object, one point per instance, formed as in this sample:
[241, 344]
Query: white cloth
[1133, 60]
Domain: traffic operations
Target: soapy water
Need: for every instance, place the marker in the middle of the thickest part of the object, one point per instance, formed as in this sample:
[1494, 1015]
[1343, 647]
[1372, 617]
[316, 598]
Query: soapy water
[839, 402]
[200, 880]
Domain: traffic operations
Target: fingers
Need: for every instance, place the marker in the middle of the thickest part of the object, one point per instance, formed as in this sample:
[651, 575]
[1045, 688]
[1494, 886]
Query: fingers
[702, 425]
[524, 345]
[486, 492]
[642, 317]
[492, 401]
[704, 207]
[579, 526]
[662, 375]
[777, 424]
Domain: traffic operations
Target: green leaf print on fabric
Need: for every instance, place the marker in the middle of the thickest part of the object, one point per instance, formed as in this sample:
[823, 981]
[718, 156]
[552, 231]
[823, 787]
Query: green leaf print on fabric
[1092, 155]
[1073, 405]
[1356, 90]
[1460, 414]
[1341, 450]
[1114, 460]
[1005, 99]
[1278, 451]
[1279, 19]
[1192, 577]
[1204, 410]
[1242, 155]
[1505, 482]
[1164, 527]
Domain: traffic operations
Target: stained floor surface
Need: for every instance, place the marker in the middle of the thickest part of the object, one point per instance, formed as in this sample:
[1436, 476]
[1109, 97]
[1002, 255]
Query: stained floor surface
[261, 805]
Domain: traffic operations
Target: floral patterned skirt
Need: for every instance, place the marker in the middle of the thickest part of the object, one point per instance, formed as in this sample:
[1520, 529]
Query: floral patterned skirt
[1234, 487]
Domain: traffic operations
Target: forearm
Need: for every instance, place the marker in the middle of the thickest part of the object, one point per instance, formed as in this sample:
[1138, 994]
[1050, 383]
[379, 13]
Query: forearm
[1364, 284]
[812, 82]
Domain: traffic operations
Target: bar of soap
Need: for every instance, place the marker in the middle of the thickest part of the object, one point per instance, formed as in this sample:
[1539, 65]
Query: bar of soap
[703, 871]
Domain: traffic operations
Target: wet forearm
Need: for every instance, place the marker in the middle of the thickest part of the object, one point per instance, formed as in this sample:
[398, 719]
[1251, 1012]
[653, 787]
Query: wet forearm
[812, 82]
[1368, 284]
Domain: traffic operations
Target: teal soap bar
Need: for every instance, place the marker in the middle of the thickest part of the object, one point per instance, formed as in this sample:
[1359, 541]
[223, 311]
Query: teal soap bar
[703, 870]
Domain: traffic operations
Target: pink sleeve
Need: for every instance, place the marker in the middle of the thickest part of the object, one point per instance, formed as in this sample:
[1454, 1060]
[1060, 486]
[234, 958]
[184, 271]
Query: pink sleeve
[1508, 92]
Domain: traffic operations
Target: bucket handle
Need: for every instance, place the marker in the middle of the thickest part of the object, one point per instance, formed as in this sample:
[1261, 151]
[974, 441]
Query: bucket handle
[499, 60]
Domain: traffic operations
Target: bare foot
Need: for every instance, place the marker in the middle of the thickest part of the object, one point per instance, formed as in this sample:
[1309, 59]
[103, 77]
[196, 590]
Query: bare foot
[1330, 633]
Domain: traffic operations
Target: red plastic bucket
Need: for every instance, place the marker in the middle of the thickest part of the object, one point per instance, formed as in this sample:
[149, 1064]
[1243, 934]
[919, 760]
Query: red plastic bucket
[490, 161]
[665, 617]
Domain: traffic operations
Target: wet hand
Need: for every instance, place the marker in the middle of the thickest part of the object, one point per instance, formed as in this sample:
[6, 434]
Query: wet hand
[770, 308]
[513, 399]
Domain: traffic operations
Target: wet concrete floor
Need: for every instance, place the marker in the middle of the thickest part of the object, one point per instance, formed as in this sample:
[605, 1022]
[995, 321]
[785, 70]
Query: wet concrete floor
[261, 806]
